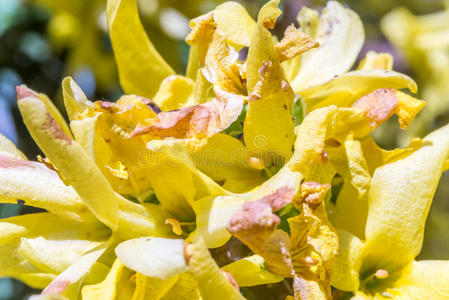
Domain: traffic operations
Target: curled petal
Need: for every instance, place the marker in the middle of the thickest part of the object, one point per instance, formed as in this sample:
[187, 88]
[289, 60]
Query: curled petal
[294, 43]
[196, 121]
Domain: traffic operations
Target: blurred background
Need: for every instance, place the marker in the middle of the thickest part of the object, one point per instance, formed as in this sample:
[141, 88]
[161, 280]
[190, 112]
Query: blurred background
[42, 41]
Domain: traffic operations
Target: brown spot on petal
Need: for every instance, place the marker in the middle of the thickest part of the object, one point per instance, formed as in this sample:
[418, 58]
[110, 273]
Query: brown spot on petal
[23, 92]
[378, 106]
[106, 105]
[285, 86]
[264, 69]
[56, 287]
[294, 43]
[253, 97]
[269, 23]
[332, 142]
[381, 274]
[55, 130]
[313, 193]
[324, 157]
[187, 254]
[231, 280]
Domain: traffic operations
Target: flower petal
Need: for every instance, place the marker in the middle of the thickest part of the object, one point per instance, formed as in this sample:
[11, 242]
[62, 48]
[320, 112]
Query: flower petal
[71, 160]
[141, 68]
[233, 20]
[250, 271]
[75, 100]
[116, 284]
[37, 186]
[399, 201]
[270, 95]
[212, 282]
[152, 287]
[426, 279]
[212, 216]
[349, 87]
[175, 92]
[347, 262]
[185, 288]
[7, 148]
[77, 270]
[341, 36]
[153, 257]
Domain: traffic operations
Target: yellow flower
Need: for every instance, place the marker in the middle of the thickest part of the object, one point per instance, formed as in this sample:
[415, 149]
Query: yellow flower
[137, 191]
[378, 263]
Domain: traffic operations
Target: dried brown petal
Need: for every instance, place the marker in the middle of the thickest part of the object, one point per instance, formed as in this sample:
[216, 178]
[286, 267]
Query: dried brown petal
[196, 121]
[255, 225]
[295, 42]
[379, 106]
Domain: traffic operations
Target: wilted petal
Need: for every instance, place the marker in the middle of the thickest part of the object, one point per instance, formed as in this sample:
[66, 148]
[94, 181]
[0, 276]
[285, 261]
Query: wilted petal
[255, 225]
[196, 121]
[294, 43]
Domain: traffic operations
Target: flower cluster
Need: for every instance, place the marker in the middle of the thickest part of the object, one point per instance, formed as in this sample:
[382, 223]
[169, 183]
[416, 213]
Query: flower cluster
[264, 143]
